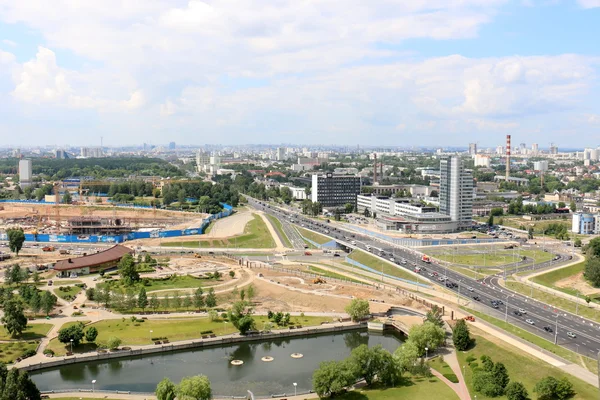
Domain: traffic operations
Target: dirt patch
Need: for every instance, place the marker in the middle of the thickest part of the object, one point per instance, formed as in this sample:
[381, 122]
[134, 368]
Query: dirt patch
[230, 226]
[578, 283]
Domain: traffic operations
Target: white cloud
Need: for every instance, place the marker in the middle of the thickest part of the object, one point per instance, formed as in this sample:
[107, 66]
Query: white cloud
[589, 3]
[9, 43]
[136, 100]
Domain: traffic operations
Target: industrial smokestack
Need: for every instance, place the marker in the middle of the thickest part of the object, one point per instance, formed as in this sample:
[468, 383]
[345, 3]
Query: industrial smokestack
[507, 157]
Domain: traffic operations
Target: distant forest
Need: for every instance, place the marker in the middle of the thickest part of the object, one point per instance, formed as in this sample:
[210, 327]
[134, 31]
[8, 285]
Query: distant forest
[53, 169]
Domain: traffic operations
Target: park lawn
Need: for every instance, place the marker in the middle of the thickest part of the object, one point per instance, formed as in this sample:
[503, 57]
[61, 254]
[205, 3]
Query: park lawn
[443, 368]
[60, 282]
[31, 332]
[13, 350]
[279, 228]
[331, 274]
[68, 294]
[411, 388]
[378, 265]
[549, 298]
[176, 329]
[315, 237]
[539, 341]
[175, 282]
[550, 278]
[521, 367]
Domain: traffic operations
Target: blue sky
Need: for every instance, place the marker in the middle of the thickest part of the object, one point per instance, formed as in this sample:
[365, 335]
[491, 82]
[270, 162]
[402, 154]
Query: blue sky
[348, 72]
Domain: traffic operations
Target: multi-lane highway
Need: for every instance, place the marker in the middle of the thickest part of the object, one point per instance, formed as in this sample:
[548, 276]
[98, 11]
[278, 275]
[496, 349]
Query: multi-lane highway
[569, 330]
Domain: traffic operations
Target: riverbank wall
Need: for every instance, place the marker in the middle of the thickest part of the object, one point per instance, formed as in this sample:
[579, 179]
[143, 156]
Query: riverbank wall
[193, 344]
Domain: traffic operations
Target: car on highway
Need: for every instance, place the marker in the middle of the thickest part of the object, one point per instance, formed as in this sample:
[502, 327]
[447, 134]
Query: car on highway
[476, 298]
[522, 311]
[571, 335]
[470, 289]
[530, 321]
[517, 313]
[548, 329]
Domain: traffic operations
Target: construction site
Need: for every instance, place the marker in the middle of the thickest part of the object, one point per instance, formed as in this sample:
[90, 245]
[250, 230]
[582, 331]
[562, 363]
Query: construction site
[59, 219]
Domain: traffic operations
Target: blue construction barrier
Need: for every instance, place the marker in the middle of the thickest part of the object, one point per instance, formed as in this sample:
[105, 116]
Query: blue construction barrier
[29, 237]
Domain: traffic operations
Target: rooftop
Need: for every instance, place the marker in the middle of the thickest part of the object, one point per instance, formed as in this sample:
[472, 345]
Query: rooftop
[113, 254]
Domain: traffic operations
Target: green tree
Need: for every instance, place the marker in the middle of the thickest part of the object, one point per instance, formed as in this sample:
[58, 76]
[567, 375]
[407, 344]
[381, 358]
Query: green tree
[434, 315]
[460, 335]
[35, 302]
[427, 335]
[16, 238]
[369, 363]
[187, 302]
[561, 204]
[592, 270]
[332, 377]
[67, 199]
[250, 292]
[577, 242]
[36, 278]
[198, 298]
[90, 294]
[113, 343]
[142, 299]
[516, 391]
[573, 206]
[546, 388]
[242, 294]
[406, 355]
[194, 388]
[176, 300]
[500, 375]
[165, 390]
[564, 389]
[127, 270]
[73, 333]
[91, 334]
[154, 303]
[491, 220]
[530, 233]
[232, 274]
[240, 315]
[211, 298]
[27, 388]
[357, 309]
[14, 320]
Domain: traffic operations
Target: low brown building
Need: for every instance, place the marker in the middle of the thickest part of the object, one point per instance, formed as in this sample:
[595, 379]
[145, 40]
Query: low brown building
[92, 263]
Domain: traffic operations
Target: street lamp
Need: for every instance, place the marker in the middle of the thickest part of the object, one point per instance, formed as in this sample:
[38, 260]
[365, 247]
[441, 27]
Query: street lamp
[151, 331]
[426, 349]
[93, 385]
[295, 388]
[71, 346]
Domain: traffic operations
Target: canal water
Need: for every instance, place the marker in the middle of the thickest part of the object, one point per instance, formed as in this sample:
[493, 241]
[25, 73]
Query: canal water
[141, 374]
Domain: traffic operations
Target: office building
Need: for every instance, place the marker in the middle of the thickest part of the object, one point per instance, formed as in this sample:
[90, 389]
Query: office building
[456, 191]
[172, 145]
[25, 173]
[202, 161]
[280, 156]
[541, 165]
[482, 161]
[335, 190]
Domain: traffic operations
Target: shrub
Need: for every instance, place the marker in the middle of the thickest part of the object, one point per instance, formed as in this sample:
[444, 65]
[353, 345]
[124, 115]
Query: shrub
[48, 352]
[470, 359]
[29, 353]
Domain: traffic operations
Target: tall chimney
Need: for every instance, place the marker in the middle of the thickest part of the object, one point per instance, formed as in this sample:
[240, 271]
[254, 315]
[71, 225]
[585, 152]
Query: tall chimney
[375, 168]
[507, 157]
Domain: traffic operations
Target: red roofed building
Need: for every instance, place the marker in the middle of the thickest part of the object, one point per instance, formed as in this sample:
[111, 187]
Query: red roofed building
[275, 173]
[100, 261]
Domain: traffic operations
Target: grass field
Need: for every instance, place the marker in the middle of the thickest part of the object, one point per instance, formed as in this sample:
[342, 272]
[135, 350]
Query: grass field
[69, 293]
[138, 333]
[408, 389]
[549, 279]
[488, 256]
[331, 274]
[536, 340]
[315, 237]
[379, 265]
[277, 226]
[175, 282]
[256, 236]
[13, 350]
[521, 367]
[549, 298]
[31, 332]
[443, 368]
[538, 226]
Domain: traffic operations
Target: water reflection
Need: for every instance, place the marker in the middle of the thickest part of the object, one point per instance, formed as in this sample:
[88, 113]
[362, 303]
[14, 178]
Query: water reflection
[263, 378]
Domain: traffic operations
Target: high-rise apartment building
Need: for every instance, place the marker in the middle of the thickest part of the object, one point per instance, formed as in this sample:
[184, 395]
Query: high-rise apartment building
[202, 161]
[25, 173]
[456, 191]
[335, 190]
[472, 148]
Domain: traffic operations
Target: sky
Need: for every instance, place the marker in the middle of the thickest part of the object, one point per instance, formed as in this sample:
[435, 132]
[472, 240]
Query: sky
[322, 72]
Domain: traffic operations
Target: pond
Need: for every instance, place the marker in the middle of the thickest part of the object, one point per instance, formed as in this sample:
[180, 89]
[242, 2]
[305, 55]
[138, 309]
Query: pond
[141, 374]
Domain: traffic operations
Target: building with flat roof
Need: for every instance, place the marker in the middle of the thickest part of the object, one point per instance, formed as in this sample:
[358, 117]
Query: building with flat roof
[100, 261]
[25, 173]
[456, 191]
[335, 190]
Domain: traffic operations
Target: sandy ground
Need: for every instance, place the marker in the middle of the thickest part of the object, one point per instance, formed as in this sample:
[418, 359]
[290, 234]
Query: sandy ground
[577, 282]
[230, 226]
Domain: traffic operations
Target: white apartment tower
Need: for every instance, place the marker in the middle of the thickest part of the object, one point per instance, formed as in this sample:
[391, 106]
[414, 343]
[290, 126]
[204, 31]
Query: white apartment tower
[25, 171]
[456, 191]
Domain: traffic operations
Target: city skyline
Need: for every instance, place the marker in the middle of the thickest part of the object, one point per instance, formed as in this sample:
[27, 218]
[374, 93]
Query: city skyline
[336, 73]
